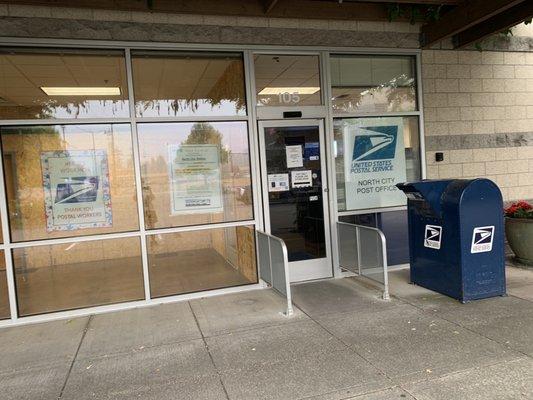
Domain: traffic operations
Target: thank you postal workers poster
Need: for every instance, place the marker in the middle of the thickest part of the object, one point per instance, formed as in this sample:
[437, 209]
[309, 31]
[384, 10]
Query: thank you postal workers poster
[374, 162]
[76, 189]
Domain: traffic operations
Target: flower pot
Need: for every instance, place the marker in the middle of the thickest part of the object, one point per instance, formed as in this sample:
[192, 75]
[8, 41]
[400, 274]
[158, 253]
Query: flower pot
[519, 232]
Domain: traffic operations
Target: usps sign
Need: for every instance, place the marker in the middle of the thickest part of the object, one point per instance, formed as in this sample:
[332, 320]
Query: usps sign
[374, 162]
[482, 239]
[433, 236]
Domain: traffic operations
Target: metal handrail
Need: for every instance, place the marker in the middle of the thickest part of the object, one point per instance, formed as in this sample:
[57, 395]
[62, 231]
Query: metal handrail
[383, 240]
[285, 253]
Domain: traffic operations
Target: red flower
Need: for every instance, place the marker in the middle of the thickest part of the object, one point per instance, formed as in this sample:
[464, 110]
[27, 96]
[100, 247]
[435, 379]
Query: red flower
[520, 209]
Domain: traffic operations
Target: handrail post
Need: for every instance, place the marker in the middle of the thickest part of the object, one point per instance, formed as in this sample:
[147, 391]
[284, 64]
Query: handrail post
[381, 249]
[386, 295]
[358, 248]
[287, 289]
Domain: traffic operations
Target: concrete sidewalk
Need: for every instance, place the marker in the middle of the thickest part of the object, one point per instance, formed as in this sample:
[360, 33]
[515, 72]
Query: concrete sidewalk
[342, 343]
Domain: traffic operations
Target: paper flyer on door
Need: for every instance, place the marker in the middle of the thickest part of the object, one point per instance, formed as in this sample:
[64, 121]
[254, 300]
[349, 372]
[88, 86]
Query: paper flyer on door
[278, 182]
[374, 162]
[294, 156]
[301, 179]
[76, 189]
[195, 178]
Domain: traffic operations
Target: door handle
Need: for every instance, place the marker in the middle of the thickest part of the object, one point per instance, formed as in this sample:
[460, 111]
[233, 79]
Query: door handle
[326, 190]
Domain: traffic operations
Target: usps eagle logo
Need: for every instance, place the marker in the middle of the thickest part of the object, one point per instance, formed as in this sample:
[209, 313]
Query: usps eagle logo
[482, 239]
[375, 143]
[433, 236]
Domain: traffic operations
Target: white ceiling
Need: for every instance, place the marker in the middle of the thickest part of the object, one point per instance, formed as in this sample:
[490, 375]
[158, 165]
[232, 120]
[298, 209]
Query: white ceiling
[22, 75]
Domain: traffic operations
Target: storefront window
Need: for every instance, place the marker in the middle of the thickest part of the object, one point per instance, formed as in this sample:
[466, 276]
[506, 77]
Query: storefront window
[75, 275]
[187, 84]
[373, 83]
[4, 297]
[287, 80]
[372, 155]
[48, 84]
[195, 173]
[201, 260]
[69, 180]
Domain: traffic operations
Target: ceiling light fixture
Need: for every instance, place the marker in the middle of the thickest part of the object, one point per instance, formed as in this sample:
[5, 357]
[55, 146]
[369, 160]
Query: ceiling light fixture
[81, 91]
[299, 90]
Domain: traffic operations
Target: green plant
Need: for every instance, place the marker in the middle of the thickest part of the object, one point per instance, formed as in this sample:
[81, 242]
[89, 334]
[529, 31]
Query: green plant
[413, 12]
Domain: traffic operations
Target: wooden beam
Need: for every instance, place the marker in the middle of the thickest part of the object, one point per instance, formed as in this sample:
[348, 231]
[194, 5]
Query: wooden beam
[413, 2]
[498, 23]
[269, 5]
[304, 9]
[463, 17]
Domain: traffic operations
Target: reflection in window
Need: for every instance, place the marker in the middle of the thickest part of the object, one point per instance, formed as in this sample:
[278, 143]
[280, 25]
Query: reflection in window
[4, 297]
[201, 260]
[45, 84]
[75, 275]
[368, 140]
[373, 83]
[186, 84]
[69, 180]
[195, 173]
[287, 80]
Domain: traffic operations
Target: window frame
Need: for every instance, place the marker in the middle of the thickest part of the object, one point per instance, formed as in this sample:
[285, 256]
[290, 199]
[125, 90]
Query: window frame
[143, 233]
[324, 112]
[344, 115]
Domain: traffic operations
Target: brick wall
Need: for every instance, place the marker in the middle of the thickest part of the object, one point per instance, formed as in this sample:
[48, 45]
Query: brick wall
[478, 109]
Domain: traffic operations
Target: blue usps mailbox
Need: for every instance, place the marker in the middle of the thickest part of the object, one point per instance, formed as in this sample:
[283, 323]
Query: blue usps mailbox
[456, 237]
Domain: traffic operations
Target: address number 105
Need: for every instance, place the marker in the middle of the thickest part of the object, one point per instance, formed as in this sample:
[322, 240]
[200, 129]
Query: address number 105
[289, 98]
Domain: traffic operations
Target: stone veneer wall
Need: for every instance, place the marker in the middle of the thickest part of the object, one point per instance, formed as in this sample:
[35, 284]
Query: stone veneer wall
[478, 109]
[79, 23]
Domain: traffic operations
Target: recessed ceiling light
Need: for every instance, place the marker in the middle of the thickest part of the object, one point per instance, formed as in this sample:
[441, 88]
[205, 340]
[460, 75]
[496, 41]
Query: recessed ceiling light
[81, 91]
[299, 90]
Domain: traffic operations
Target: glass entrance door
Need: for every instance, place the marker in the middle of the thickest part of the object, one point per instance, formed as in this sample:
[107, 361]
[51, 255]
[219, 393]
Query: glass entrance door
[295, 194]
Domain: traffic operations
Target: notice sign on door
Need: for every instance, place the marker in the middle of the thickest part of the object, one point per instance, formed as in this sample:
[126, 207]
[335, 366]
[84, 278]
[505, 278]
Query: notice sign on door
[76, 189]
[374, 162]
[278, 182]
[294, 155]
[195, 181]
[301, 179]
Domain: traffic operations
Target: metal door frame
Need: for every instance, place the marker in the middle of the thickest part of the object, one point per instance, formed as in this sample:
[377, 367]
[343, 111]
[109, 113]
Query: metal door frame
[315, 264]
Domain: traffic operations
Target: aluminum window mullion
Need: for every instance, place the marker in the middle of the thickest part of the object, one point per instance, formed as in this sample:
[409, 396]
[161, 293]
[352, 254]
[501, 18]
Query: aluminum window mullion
[193, 228]
[75, 239]
[146, 45]
[373, 115]
[421, 132]
[62, 121]
[199, 118]
[330, 161]
[370, 211]
[122, 235]
[255, 167]
[8, 255]
[138, 180]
